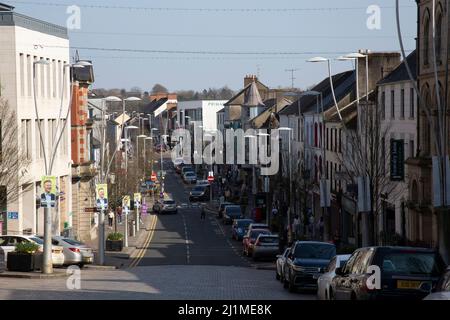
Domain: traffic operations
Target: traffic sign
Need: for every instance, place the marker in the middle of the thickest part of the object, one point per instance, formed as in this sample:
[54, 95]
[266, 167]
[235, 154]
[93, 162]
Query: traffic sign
[210, 179]
[153, 178]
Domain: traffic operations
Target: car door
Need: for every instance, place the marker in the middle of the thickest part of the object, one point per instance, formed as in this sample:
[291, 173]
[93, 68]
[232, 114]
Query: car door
[4, 243]
[342, 282]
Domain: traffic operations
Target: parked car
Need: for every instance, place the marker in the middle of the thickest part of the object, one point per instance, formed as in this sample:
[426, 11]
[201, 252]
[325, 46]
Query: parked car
[2, 260]
[306, 263]
[324, 282]
[442, 289]
[240, 228]
[222, 208]
[202, 183]
[165, 206]
[178, 161]
[190, 177]
[266, 247]
[407, 273]
[75, 252]
[199, 193]
[280, 263]
[185, 169]
[8, 244]
[258, 226]
[248, 242]
[232, 212]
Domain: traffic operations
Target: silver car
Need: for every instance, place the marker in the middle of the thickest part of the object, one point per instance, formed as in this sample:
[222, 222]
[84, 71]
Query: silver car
[266, 246]
[75, 252]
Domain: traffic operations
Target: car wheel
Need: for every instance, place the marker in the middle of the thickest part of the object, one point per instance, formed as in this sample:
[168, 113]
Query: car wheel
[285, 283]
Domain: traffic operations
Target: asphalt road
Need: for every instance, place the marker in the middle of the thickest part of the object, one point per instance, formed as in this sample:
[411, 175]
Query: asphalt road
[185, 239]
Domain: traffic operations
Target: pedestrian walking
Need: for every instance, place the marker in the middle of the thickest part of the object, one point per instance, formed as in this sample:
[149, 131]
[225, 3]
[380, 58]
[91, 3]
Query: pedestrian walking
[110, 218]
[203, 213]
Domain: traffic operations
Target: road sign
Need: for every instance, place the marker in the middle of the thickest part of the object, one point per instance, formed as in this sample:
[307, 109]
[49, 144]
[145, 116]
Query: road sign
[13, 215]
[153, 178]
[210, 179]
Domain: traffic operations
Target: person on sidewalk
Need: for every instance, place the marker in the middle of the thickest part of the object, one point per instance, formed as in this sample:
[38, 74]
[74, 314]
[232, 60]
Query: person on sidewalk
[110, 218]
[203, 213]
[119, 214]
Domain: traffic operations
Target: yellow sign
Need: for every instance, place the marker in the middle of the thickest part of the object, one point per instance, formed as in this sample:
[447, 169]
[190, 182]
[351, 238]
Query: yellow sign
[48, 195]
[126, 201]
[101, 196]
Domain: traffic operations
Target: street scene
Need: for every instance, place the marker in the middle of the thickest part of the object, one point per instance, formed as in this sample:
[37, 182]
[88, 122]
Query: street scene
[225, 156]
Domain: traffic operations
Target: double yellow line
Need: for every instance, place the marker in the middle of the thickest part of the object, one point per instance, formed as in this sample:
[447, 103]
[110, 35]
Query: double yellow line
[147, 242]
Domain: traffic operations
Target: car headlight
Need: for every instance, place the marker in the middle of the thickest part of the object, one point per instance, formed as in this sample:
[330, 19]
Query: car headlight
[240, 230]
[298, 268]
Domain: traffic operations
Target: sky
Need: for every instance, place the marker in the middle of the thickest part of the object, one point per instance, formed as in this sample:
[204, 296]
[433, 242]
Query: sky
[194, 45]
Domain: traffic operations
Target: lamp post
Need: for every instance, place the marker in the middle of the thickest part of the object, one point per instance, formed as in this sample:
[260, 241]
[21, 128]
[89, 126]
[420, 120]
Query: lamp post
[47, 265]
[290, 184]
[126, 140]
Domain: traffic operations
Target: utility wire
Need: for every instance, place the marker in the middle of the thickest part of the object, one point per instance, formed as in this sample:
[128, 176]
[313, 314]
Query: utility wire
[189, 10]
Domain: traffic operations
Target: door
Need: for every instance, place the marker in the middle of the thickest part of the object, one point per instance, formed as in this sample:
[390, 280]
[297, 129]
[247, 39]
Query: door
[6, 245]
[343, 284]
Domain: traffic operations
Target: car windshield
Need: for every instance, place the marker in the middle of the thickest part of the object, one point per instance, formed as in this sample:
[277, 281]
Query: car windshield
[198, 188]
[315, 251]
[169, 202]
[190, 174]
[37, 240]
[256, 233]
[73, 242]
[414, 263]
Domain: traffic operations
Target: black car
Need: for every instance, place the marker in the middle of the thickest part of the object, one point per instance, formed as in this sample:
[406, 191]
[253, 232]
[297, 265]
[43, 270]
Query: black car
[199, 193]
[305, 263]
[404, 273]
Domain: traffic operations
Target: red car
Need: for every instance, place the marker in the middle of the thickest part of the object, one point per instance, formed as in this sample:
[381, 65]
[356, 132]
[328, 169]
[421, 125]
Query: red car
[248, 242]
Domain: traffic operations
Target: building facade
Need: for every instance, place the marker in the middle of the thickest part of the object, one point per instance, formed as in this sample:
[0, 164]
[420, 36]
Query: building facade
[24, 42]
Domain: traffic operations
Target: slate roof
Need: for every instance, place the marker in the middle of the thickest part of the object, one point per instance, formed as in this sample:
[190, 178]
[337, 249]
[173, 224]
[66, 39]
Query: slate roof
[154, 105]
[400, 73]
[344, 83]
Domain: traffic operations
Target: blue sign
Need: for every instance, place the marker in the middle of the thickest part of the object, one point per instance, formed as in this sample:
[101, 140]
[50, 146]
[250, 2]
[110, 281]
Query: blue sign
[13, 215]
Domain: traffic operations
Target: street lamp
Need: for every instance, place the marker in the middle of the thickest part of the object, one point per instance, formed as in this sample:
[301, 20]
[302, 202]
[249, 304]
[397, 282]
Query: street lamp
[126, 140]
[290, 183]
[47, 266]
[321, 59]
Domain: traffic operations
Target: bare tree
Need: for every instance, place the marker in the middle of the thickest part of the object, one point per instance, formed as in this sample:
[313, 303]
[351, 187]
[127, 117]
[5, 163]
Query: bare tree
[13, 160]
[365, 152]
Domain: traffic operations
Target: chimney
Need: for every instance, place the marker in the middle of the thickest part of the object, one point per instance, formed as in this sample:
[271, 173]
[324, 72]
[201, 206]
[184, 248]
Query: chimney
[249, 79]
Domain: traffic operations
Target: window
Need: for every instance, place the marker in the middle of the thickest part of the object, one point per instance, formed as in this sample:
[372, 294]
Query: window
[331, 139]
[55, 87]
[383, 157]
[26, 138]
[383, 105]
[392, 104]
[30, 74]
[402, 104]
[22, 74]
[426, 41]
[328, 138]
[411, 148]
[411, 103]
[48, 78]
[438, 38]
[335, 139]
[42, 78]
[340, 140]
[315, 135]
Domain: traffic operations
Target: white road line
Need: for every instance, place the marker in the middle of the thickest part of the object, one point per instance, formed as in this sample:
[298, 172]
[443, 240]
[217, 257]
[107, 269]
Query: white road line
[188, 256]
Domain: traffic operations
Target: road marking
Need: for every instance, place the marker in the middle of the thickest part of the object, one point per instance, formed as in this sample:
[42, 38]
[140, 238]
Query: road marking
[188, 255]
[141, 251]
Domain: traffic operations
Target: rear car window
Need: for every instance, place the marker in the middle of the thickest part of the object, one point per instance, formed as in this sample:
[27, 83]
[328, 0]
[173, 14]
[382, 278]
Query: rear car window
[169, 202]
[230, 209]
[255, 234]
[315, 251]
[268, 239]
[37, 240]
[73, 242]
[412, 263]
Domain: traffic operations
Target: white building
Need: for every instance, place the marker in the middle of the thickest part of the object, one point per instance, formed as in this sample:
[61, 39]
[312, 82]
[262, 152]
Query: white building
[204, 111]
[24, 41]
[398, 107]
